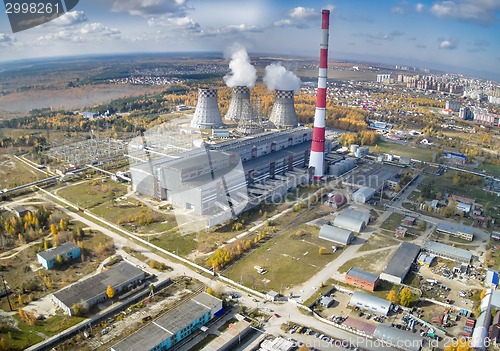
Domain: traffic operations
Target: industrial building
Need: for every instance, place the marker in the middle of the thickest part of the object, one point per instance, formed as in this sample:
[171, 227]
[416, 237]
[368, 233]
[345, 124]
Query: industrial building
[240, 106]
[67, 251]
[352, 220]
[88, 292]
[335, 235]
[402, 339]
[370, 303]
[400, 264]
[425, 259]
[361, 279]
[174, 326]
[342, 166]
[448, 252]
[459, 231]
[363, 195]
[230, 338]
[224, 179]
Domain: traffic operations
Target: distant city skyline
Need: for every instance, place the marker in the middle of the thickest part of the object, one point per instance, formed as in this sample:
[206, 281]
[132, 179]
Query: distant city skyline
[458, 36]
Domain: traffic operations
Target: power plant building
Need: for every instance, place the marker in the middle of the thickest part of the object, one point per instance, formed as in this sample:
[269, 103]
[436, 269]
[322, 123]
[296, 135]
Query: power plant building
[224, 179]
[240, 106]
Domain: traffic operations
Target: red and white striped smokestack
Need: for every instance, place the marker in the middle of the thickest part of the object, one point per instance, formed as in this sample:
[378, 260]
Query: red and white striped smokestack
[316, 159]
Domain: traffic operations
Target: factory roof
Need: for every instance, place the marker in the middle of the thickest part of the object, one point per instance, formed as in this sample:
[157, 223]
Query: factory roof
[351, 220]
[167, 325]
[96, 285]
[227, 338]
[491, 277]
[361, 274]
[370, 302]
[335, 234]
[364, 192]
[454, 228]
[447, 250]
[401, 261]
[61, 250]
[400, 338]
[365, 216]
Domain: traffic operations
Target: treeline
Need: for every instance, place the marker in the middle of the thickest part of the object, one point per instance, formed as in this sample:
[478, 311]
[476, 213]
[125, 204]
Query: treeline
[366, 137]
[27, 140]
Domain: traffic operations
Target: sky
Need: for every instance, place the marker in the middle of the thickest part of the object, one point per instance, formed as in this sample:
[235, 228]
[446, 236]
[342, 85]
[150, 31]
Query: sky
[460, 36]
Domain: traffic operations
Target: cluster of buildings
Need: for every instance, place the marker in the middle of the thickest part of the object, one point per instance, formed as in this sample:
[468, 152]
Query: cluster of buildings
[480, 115]
[440, 84]
[146, 80]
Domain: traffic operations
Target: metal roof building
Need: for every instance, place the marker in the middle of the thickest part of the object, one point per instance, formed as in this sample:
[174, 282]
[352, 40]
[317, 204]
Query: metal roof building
[174, 326]
[363, 195]
[460, 231]
[400, 264]
[336, 235]
[361, 274]
[491, 279]
[447, 251]
[93, 290]
[400, 339]
[351, 220]
[370, 303]
[230, 337]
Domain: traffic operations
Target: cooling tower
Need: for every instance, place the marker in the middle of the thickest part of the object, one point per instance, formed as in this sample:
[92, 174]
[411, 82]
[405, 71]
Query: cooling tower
[283, 114]
[206, 115]
[317, 158]
[240, 106]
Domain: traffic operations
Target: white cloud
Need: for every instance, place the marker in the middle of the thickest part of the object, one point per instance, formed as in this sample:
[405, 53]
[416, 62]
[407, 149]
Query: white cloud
[448, 44]
[232, 29]
[69, 19]
[89, 32]
[329, 7]
[419, 7]
[399, 10]
[6, 39]
[302, 13]
[297, 17]
[150, 7]
[480, 11]
[185, 23]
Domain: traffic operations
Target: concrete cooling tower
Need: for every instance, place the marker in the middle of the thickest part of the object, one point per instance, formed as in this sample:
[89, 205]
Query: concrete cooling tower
[283, 113]
[240, 106]
[206, 115]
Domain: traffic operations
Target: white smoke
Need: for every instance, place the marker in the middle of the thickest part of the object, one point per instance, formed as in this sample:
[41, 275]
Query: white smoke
[278, 77]
[242, 71]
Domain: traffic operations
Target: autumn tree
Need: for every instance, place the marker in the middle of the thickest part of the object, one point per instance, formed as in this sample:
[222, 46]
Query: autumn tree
[392, 296]
[77, 309]
[483, 293]
[53, 229]
[405, 297]
[59, 259]
[321, 250]
[63, 225]
[210, 291]
[20, 299]
[110, 292]
[459, 345]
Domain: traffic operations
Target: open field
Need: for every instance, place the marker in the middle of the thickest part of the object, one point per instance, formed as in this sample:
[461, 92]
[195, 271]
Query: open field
[404, 150]
[289, 258]
[374, 262]
[392, 222]
[14, 172]
[377, 241]
[492, 169]
[92, 193]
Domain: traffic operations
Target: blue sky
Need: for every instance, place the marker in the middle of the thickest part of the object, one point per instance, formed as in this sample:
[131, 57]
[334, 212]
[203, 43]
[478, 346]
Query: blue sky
[458, 36]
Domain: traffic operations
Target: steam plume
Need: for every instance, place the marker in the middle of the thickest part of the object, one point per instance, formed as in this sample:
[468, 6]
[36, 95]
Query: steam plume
[278, 77]
[242, 71]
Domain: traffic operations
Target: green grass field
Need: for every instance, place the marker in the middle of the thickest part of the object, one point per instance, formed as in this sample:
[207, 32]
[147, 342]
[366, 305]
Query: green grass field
[404, 150]
[392, 222]
[492, 169]
[289, 260]
[93, 193]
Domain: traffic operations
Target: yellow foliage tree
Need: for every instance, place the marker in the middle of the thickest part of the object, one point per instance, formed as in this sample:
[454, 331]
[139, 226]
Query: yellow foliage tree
[405, 297]
[483, 293]
[321, 250]
[110, 292]
[210, 291]
[392, 296]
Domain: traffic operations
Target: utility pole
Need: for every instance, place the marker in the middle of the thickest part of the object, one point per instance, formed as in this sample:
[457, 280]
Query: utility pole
[7, 292]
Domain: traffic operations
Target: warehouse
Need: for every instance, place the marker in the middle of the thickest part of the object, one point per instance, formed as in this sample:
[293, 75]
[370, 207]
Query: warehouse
[359, 278]
[448, 252]
[174, 326]
[459, 231]
[401, 339]
[370, 303]
[122, 277]
[363, 195]
[400, 264]
[336, 235]
[352, 220]
[230, 338]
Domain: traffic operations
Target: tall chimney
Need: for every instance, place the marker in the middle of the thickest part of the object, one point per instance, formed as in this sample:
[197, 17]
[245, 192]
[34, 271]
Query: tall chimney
[206, 115]
[318, 139]
[283, 113]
